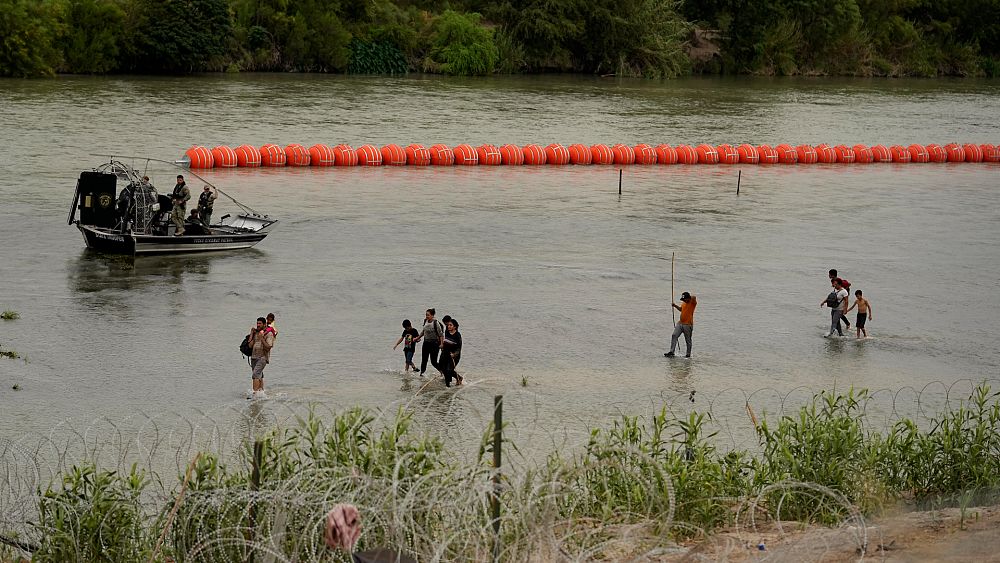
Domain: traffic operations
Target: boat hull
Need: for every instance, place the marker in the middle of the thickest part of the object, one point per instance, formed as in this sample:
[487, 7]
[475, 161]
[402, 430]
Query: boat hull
[129, 243]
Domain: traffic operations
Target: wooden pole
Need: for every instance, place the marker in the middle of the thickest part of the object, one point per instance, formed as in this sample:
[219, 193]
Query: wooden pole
[495, 497]
[177, 505]
[739, 176]
[258, 460]
[619, 182]
[673, 312]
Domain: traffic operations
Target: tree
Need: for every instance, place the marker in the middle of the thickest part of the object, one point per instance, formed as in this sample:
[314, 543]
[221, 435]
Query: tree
[93, 34]
[182, 35]
[27, 32]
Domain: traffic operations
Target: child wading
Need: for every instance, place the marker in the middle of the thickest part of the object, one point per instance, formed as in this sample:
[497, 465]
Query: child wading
[864, 313]
[408, 339]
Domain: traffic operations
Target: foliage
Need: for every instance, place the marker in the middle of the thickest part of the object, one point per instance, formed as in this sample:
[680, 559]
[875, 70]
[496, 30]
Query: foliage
[181, 35]
[9, 315]
[91, 42]
[28, 32]
[462, 46]
[376, 58]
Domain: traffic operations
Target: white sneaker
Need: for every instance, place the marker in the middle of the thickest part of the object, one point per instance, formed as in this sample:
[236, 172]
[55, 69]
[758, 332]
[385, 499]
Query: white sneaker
[261, 394]
[250, 394]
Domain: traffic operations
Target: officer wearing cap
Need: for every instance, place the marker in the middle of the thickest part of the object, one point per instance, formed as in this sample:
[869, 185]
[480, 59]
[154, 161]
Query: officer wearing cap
[205, 202]
[179, 197]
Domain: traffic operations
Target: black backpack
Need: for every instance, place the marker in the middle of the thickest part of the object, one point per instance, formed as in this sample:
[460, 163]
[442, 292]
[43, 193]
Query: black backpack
[246, 348]
[832, 301]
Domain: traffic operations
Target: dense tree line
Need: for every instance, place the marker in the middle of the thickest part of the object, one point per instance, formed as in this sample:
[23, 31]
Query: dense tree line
[649, 38]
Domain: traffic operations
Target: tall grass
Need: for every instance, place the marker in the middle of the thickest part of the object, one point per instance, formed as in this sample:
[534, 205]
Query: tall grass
[636, 487]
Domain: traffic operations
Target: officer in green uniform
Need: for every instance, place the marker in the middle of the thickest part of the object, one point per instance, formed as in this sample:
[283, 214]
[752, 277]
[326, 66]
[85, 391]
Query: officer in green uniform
[205, 202]
[180, 197]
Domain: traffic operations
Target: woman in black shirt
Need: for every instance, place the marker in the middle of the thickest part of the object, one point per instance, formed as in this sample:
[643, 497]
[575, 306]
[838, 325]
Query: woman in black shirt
[451, 353]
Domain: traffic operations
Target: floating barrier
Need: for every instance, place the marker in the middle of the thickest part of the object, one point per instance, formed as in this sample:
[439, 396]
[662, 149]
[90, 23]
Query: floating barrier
[321, 155]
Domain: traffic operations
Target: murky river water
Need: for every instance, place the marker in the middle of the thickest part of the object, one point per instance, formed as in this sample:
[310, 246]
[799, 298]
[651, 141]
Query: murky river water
[552, 276]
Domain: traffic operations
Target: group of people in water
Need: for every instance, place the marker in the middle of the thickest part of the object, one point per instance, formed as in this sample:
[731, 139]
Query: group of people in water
[838, 300]
[440, 342]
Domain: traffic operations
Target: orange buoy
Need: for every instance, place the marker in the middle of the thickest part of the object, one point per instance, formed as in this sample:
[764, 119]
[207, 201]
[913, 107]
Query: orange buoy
[972, 153]
[899, 153]
[881, 154]
[488, 155]
[556, 154]
[786, 154]
[533, 154]
[991, 153]
[199, 157]
[748, 154]
[767, 154]
[623, 154]
[579, 154]
[247, 156]
[601, 154]
[321, 155]
[296, 155]
[511, 155]
[845, 154]
[666, 154]
[707, 154]
[918, 153]
[417, 155]
[223, 157]
[393, 155]
[806, 154]
[442, 155]
[368, 155]
[825, 154]
[727, 154]
[344, 155]
[936, 153]
[954, 152]
[686, 154]
[272, 155]
[863, 154]
[465, 155]
[644, 154]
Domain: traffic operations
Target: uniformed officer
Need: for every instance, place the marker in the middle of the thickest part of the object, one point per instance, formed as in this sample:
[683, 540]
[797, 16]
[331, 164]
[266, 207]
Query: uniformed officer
[179, 197]
[205, 202]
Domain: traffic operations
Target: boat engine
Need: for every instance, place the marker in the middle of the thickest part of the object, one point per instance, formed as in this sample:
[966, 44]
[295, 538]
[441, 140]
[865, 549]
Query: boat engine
[97, 194]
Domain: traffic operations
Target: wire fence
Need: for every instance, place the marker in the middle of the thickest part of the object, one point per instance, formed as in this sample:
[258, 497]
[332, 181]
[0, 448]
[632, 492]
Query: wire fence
[431, 502]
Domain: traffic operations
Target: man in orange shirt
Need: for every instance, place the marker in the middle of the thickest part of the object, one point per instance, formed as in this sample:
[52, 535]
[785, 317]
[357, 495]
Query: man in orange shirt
[686, 324]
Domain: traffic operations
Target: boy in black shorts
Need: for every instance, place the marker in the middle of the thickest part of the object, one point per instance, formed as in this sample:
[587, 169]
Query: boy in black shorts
[864, 313]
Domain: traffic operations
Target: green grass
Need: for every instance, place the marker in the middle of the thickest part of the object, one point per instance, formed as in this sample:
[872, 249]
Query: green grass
[638, 484]
[10, 315]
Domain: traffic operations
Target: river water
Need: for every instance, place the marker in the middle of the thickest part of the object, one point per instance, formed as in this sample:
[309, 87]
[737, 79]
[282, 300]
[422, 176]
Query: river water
[556, 280]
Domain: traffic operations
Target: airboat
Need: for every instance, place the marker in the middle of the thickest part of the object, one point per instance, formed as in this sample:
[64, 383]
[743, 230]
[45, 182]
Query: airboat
[122, 213]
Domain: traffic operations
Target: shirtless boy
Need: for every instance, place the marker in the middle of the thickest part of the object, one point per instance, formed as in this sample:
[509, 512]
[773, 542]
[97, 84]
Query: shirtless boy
[864, 312]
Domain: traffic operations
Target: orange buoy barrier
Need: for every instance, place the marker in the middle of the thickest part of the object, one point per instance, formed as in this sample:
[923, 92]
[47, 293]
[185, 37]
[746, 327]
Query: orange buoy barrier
[321, 155]
[579, 154]
[465, 155]
[991, 153]
[748, 154]
[556, 154]
[393, 155]
[417, 155]
[825, 154]
[623, 154]
[786, 154]
[488, 155]
[918, 153]
[247, 156]
[344, 155]
[899, 153]
[707, 154]
[272, 155]
[863, 154]
[223, 157]
[727, 154]
[644, 154]
[955, 153]
[972, 153]
[880, 153]
[296, 155]
[767, 154]
[601, 154]
[511, 155]
[845, 154]
[442, 155]
[368, 155]
[936, 153]
[806, 154]
[666, 154]
[199, 157]
[533, 154]
[686, 154]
